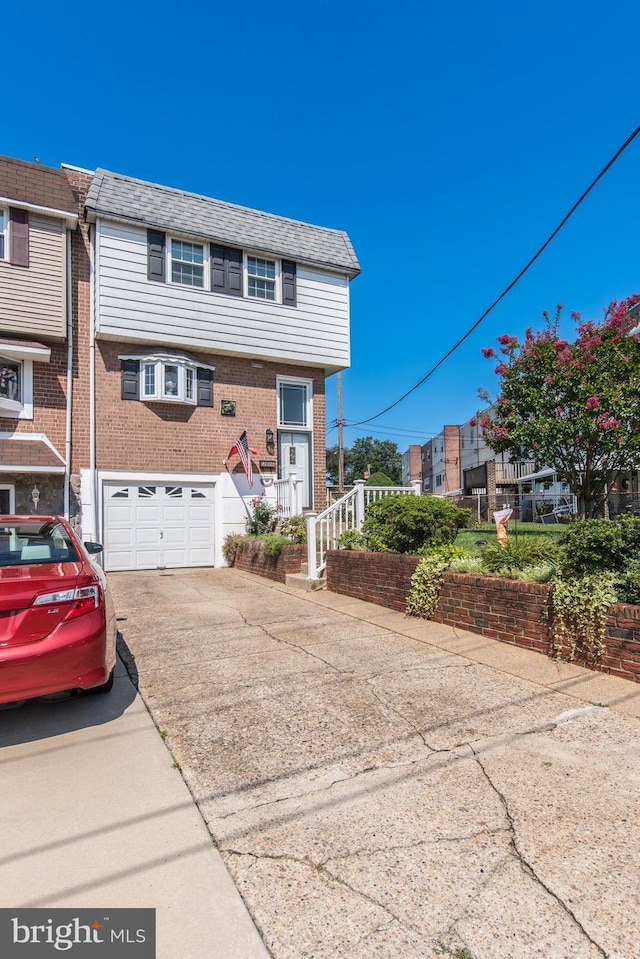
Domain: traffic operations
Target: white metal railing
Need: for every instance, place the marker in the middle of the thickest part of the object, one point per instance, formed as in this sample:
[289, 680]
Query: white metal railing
[509, 472]
[288, 496]
[325, 529]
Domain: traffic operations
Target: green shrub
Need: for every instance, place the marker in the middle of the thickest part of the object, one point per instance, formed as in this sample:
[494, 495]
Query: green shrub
[598, 545]
[426, 584]
[629, 583]
[295, 528]
[379, 479]
[516, 555]
[466, 564]
[403, 523]
[263, 519]
[540, 573]
[272, 543]
[352, 539]
[580, 615]
[448, 552]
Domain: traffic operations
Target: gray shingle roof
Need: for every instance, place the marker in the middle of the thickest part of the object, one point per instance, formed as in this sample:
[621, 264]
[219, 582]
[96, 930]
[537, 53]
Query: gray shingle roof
[121, 197]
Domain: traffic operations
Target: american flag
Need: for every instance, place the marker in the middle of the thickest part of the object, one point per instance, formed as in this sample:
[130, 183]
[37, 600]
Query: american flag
[243, 451]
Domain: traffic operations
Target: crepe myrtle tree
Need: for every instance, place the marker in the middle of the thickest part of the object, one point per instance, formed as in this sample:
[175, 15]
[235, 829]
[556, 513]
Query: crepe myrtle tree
[573, 406]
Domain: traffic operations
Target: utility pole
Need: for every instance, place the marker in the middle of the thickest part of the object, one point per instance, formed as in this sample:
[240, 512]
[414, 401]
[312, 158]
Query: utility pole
[340, 436]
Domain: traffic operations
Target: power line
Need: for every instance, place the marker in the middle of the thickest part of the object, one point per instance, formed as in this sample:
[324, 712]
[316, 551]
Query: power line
[390, 431]
[511, 285]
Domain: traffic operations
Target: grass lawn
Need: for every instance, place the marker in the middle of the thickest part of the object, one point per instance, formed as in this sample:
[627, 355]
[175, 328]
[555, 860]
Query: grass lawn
[468, 538]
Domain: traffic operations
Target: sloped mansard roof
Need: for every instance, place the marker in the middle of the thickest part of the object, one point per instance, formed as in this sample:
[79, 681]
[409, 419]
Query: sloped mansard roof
[35, 185]
[119, 197]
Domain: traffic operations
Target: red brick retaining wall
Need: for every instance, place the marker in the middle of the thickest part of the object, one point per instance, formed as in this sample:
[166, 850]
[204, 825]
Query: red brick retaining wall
[289, 560]
[504, 609]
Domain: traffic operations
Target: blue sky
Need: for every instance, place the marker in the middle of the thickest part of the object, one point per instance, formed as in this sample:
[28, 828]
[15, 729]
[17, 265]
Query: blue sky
[447, 139]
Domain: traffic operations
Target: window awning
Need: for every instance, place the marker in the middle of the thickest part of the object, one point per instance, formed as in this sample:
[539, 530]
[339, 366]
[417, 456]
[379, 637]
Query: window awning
[24, 350]
[29, 456]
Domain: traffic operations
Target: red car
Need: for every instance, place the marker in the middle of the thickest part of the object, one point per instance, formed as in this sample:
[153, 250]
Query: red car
[57, 622]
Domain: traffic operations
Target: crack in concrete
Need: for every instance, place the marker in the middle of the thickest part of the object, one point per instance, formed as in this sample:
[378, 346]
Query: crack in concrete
[324, 875]
[397, 713]
[526, 865]
[309, 794]
[417, 669]
[417, 844]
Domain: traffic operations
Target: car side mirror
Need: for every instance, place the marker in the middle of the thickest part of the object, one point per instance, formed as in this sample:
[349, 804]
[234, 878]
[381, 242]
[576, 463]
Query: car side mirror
[93, 548]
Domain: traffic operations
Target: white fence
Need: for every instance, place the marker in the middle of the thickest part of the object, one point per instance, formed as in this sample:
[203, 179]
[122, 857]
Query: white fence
[348, 512]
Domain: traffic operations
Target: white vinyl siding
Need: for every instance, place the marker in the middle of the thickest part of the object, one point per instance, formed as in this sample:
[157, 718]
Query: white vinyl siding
[33, 298]
[132, 309]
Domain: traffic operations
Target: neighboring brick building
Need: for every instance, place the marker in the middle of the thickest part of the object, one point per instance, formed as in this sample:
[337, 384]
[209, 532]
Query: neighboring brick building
[412, 465]
[38, 215]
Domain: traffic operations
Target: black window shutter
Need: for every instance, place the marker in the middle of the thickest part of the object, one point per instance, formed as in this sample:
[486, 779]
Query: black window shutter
[129, 384]
[156, 243]
[288, 283]
[19, 237]
[234, 271]
[218, 272]
[205, 387]
[226, 270]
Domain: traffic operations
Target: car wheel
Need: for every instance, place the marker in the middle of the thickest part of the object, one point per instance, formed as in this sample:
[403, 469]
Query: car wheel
[105, 688]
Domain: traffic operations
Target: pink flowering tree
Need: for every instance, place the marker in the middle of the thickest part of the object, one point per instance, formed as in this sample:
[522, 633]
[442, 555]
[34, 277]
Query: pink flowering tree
[574, 406]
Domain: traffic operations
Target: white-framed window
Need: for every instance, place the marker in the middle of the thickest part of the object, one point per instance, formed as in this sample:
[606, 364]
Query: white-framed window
[168, 380]
[188, 263]
[294, 403]
[4, 234]
[262, 278]
[16, 387]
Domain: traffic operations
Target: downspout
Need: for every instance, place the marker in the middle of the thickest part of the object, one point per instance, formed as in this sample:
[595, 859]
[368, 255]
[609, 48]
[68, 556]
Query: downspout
[67, 438]
[92, 380]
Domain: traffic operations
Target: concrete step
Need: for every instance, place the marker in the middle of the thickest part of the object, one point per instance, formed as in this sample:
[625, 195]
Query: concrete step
[302, 581]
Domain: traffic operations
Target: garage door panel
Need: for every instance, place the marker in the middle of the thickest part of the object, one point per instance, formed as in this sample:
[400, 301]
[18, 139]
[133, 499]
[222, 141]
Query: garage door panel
[174, 513]
[122, 537]
[153, 526]
[147, 537]
[199, 536]
[118, 513]
[176, 536]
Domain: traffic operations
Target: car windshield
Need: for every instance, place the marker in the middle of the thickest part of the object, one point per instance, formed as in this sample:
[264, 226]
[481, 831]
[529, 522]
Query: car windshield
[25, 543]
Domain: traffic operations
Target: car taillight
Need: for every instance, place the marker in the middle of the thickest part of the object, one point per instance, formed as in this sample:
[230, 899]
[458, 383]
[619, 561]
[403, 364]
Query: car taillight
[80, 601]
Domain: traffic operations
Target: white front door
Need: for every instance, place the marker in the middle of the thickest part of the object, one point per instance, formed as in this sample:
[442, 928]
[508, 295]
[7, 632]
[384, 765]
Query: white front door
[295, 457]
[157, 526]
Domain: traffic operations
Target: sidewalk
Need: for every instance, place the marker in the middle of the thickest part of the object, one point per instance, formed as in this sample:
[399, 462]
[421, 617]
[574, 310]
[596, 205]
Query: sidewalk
[95, 815]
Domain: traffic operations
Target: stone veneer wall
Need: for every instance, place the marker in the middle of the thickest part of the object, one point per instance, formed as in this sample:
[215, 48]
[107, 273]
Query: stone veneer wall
[289, 560]
[504, 609]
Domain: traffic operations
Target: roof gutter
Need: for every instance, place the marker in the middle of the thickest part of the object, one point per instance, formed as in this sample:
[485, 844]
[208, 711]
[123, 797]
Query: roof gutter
[71, 219]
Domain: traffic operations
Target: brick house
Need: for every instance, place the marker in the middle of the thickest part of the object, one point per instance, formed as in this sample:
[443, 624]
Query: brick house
[38, 215]
[205, 320]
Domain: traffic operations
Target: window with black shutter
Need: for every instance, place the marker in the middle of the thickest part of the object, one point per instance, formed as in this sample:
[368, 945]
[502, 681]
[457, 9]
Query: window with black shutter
[129, 379]
[226, 270]
[288, 283]
[156, 247]
[166, 378]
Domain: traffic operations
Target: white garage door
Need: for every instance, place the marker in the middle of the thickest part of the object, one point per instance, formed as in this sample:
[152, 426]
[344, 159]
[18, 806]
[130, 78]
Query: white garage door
[146, 527]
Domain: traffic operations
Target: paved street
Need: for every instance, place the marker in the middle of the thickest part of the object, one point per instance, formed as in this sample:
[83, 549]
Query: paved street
[382, 787]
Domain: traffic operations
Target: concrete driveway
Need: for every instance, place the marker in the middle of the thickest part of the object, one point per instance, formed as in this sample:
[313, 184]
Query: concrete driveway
[384, 787]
